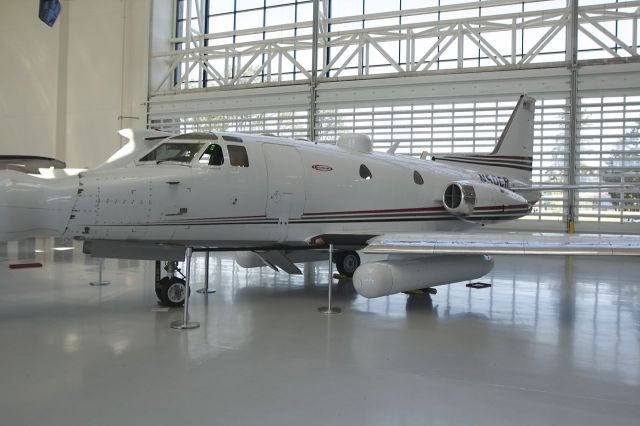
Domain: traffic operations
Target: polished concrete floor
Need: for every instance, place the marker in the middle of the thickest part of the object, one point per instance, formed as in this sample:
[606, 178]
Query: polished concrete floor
[554, 341]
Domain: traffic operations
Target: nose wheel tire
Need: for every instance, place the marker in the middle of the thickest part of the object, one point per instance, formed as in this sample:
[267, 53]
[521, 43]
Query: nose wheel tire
[347, 262]
[171, 291]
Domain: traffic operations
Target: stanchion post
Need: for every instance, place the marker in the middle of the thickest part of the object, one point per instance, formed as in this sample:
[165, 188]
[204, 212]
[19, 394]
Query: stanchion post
[330, 309]
[185, 324]
[206, 289]
[100, 281]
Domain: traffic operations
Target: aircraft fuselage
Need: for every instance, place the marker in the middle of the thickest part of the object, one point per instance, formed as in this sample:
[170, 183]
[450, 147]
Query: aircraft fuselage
[290, 192]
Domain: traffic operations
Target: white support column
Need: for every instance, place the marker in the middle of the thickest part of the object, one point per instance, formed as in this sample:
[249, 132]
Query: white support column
[573, 117]
[635, 35]
[460, 46]
[314, 70]
[514, 38]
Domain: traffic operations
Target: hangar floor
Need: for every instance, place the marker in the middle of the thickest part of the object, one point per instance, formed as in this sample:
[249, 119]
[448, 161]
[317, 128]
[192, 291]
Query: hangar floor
[553, 341]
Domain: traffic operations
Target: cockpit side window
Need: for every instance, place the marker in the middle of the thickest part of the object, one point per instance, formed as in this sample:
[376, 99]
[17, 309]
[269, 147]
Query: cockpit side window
[238, 156]
[179, 152]
[212, 156]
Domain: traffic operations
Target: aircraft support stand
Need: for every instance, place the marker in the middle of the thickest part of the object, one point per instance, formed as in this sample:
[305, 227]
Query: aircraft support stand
[100, 281]
[185, 324]
[206, 289]
[330, 309]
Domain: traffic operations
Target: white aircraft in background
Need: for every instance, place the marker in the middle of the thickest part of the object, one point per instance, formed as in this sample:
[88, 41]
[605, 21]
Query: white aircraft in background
[279, 201]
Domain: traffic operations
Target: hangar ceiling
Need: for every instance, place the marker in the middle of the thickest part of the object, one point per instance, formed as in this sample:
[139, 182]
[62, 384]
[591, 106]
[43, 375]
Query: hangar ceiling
[440, 76]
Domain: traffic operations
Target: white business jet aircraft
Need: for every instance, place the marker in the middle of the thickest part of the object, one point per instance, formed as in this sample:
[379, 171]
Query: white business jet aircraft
[280, 201]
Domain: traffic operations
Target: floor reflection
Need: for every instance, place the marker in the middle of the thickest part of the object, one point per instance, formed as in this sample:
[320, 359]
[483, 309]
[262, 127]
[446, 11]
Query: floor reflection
[583, 314]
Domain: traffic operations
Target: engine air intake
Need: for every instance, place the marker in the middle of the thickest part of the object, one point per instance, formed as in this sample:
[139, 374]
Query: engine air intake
[459, 198]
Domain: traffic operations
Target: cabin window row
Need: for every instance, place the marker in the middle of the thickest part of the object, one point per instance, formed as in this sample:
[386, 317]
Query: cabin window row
[213, 156]
[186, 152]
[365, 174]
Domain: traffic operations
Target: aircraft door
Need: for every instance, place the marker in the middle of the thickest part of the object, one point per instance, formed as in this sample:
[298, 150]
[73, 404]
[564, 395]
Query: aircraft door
[285, 195]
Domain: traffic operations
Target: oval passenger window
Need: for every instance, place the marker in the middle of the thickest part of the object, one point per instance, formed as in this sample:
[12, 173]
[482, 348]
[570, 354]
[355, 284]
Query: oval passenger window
[417, 178]
[365, 173]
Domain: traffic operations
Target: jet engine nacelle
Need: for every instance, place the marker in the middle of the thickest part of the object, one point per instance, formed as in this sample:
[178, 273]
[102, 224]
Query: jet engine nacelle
[386, 277]
[461, 198]
[248, 259]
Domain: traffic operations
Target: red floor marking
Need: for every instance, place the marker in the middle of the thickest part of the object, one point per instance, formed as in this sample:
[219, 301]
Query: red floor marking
[25, 265]
[478, 285]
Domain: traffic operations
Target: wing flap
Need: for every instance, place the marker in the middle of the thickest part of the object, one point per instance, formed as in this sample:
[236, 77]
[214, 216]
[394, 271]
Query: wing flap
[521, 243]
[279, 259]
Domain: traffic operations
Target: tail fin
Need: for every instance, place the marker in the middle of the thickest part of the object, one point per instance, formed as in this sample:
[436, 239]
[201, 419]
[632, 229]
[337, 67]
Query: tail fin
[517, 137]
[513, 155]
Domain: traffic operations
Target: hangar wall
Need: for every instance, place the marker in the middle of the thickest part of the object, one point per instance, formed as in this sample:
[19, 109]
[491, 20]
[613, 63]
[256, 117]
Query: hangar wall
[66, 89]
[436, 75]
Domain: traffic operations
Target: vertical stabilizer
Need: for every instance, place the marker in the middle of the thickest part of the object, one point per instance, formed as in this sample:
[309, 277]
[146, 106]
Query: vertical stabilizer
[513, 155]
[517, 137]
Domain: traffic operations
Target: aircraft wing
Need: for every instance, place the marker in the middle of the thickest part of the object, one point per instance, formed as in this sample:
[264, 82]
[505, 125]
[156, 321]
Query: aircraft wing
[505, 243]
[552, 187]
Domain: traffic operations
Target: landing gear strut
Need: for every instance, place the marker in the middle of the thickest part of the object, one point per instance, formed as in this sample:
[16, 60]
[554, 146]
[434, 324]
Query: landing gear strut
[171, 289]
[347, 262]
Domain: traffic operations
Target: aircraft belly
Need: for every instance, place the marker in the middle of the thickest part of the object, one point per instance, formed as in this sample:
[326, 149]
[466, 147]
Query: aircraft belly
[199, 233]
[300, 231]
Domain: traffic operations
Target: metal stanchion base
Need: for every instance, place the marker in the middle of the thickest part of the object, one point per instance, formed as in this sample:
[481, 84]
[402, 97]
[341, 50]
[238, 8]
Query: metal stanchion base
[328, 311]
[181, 325]
[99, 283]
[206, 291]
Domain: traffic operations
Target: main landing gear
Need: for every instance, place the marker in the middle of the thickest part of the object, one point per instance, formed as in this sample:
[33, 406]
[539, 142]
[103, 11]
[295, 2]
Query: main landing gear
[347, 262]
[171, 290]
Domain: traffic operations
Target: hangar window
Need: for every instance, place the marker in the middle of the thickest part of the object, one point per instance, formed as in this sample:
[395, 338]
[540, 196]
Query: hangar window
[238, 156]
[417, 178]
[179, 152]
[365, 173]
[212, 156]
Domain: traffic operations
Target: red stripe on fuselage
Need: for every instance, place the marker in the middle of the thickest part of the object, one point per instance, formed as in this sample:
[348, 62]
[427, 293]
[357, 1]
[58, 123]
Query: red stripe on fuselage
[419, 209]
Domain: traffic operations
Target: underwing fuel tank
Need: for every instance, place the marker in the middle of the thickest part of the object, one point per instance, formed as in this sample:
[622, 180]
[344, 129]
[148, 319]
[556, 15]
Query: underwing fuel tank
[32, 206]
[386, 277]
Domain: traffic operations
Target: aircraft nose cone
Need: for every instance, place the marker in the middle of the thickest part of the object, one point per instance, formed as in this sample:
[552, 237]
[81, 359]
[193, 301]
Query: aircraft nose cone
[32, 206]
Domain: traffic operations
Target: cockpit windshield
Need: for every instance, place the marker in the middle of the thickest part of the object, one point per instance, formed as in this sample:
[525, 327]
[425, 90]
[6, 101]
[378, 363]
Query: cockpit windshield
[180, 152]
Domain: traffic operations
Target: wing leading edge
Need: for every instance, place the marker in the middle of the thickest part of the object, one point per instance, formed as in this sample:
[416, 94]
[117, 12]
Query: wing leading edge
[521, 243]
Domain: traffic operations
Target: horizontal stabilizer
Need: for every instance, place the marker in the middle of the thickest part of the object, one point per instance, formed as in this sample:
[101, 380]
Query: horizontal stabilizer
[506, 243]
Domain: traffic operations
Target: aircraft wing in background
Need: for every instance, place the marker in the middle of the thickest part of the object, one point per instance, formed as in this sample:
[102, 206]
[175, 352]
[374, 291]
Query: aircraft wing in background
[506, 243]
[560, 187]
